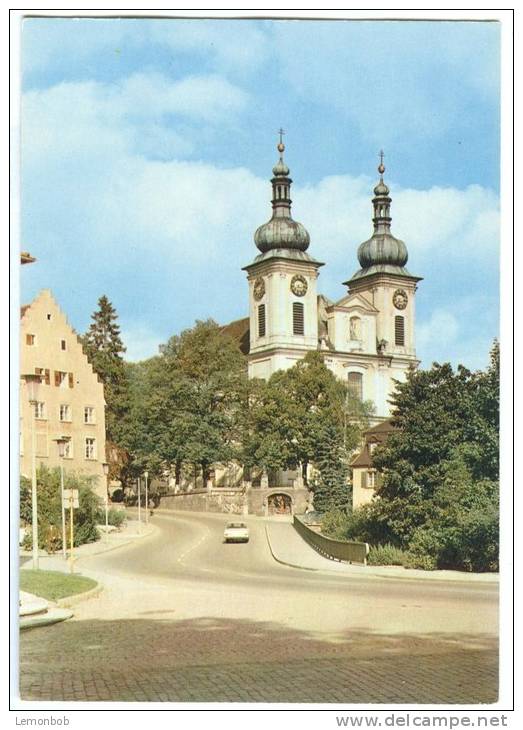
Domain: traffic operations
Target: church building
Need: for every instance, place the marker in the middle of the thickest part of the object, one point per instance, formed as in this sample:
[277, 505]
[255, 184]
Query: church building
[367, 336]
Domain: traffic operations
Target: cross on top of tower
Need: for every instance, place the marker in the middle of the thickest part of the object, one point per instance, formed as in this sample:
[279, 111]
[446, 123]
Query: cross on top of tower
[281, 146]
[381, 168]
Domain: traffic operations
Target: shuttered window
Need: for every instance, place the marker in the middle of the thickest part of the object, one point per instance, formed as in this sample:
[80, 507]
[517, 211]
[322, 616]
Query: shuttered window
[356, 385]
[399, 330]
[261, 320]
[298, 319]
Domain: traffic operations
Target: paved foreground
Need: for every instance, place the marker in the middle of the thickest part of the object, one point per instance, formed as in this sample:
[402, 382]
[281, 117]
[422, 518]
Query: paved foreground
[185, 618]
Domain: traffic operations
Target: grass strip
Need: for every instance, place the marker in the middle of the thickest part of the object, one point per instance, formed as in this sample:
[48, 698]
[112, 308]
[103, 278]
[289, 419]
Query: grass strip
[52, 585]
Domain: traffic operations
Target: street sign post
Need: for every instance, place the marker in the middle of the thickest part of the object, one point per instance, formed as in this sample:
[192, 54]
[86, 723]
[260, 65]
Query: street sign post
[71, 500]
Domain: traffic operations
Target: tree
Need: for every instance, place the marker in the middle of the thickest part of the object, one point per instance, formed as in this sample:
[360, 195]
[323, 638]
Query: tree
[305, 415]
[187, 403]
[331, 491]
[104, 349]
[439, 493]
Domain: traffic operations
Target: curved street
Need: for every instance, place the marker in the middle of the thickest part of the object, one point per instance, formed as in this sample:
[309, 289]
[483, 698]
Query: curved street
[187, 618]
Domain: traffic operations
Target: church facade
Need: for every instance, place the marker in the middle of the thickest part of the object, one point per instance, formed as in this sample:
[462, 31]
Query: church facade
[367, 336]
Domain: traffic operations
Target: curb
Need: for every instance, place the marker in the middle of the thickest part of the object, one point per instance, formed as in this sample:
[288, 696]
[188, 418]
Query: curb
[54, 616]
[68, 601]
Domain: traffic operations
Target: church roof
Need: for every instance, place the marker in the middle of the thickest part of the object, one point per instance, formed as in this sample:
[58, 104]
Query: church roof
[239, 330]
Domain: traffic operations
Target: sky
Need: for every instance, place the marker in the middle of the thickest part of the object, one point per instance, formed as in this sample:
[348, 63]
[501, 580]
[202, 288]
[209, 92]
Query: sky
[147, 147]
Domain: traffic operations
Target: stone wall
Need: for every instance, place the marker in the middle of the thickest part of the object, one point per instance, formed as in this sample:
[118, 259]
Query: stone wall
[252, 501]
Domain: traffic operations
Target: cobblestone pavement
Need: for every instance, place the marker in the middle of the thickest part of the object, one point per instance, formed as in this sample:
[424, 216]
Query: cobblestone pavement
[219, 624]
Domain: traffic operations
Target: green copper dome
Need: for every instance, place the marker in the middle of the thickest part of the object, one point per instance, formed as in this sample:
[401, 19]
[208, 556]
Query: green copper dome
[281, 232]
[382, 249]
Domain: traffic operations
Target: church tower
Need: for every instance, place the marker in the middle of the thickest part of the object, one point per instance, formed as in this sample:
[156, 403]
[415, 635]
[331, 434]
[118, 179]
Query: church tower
[283, 307]
[390, 289]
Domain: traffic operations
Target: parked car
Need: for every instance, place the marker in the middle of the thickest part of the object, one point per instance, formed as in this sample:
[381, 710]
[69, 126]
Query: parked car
[236, 532]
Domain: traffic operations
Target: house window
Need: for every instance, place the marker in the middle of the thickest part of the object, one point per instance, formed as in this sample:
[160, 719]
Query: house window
[298, 319]
[399, 330]
[356, 385]
[63, 345]
[40, 410]
[261, 320]
[371, 479]
[89, 414]
[65, 412]
[45, 374]
[90, 448]
[48, 316]
[30, 339]
[372, 447]
[62, 380]
[68, 449]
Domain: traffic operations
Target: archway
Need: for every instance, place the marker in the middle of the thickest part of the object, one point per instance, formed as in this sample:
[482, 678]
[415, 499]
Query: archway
[279, 503]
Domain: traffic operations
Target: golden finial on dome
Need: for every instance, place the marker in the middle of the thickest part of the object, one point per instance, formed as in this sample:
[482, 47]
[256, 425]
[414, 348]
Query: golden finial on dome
[381, 168]
[281, 146]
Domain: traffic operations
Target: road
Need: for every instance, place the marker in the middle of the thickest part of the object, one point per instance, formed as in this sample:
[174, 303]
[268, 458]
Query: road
[187, 618]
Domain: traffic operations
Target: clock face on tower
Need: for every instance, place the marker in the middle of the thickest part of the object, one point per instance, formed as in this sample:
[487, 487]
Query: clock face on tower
[259, 288]
[400, 299]
[299, 285]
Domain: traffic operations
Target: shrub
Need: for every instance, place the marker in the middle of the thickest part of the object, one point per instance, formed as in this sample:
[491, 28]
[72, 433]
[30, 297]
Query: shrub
[116, 517]
[386, 555]
[50, 508]
[118, 495]
[335, 524]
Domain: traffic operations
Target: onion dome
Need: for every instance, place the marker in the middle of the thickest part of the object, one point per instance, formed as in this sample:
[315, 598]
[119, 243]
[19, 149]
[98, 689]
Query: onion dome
[382, 253]
[281, 232]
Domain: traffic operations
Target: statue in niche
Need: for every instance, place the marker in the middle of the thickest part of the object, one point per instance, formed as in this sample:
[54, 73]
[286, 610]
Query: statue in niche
[355, 328]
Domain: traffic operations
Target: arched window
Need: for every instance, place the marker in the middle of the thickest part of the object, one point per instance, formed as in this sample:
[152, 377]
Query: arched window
[261, 320]
[298, 319]
[399, 330]
[356, 385]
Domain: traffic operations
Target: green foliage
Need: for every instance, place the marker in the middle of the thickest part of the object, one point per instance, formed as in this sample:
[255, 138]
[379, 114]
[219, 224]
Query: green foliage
[304, 415]
[386, 555]
[50, 508]
[439, 494]
[335, 524]
[115, 517]
[331, 490]
[104, 349]
[52, 585]
[187, 405]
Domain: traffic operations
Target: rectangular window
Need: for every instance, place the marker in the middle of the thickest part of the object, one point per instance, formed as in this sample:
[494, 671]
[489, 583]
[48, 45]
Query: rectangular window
[63, 344]
[90, 448]
[30, 339]
[45, 374]
[65, 412]
[371, 479]
[71, 380]
[68, 449]
[40, 410]
[298, 319]
[89, 414]
[261, 320]
[399, 330]
[60, 379]
[356, 385]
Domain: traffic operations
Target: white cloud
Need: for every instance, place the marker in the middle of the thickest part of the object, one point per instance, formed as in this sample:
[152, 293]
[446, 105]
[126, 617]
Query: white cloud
[89, 190]
[140, 341]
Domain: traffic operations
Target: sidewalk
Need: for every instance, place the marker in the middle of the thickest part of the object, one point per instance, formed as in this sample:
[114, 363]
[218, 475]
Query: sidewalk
[113, 540]
[289, 548]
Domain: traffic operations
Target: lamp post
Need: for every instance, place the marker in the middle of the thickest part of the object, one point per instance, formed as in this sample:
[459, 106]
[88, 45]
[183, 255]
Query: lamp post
[139, 507]
[61, 443]
[105, 467]
[33, 382]
[146, 475]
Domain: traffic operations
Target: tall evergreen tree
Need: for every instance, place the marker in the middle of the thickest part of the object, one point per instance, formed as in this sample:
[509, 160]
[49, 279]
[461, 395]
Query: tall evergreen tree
[104, 349]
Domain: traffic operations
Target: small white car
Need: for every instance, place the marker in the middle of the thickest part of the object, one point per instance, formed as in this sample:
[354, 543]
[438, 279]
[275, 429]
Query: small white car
[236, 532]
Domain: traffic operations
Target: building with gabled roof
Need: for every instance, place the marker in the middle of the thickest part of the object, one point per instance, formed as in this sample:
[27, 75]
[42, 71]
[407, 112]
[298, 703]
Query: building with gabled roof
[365, 477]
[71, 398]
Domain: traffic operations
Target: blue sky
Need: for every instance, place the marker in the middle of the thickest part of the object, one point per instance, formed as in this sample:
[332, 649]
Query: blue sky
[147, 148]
